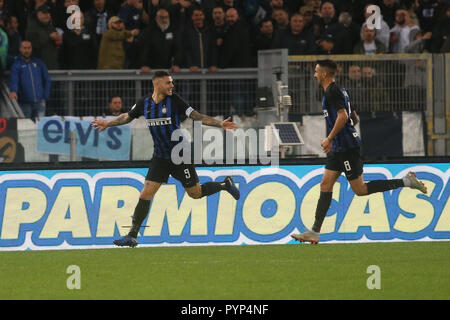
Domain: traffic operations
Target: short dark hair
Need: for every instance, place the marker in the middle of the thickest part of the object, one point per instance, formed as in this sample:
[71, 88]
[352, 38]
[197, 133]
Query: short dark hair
[114, 96]
[329, 1]
[197, 8]
[160, 74]
[264, 21]
[329, 65]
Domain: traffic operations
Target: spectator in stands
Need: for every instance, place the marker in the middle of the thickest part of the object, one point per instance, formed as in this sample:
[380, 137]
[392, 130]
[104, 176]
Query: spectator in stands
[206, 5]
[97, 19]
[441, 33]
[372, 93]
[133, 14]
[281, 18]
[29, 82]
[367, 73]
[3, 47]
[235, 51]
[228, 4]
[369, 45]
[14, 39]
[347, 34]
[115, 107]
[263, 40]
[112, 54]
[160, 45]
[295, 39]
[400, 33]
[328, 21]
[308, 15]
[328, 24]
[426, 14]
[339, 76]
[219, 25]
[315, 4]
[45, 38]
[134, 18]
[411, 6]
[79, 48]
[200, 48]
[417, 41]
[274, 5]
[21, 9]
[388, 10]
[326, 44]
[354, 84]
[383, 33]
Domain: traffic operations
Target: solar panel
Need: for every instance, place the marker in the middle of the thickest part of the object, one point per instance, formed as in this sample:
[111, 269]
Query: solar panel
[288, 133]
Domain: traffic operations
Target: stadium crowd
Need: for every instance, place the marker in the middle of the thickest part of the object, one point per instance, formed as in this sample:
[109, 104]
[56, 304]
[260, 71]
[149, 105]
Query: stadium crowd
[174, 34]
[41, 35]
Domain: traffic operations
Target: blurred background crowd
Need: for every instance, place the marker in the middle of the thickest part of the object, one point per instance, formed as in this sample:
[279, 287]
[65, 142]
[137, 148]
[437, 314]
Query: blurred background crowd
[174, 34]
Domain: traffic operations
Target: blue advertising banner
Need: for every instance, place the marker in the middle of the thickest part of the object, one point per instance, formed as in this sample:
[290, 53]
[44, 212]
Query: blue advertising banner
[73, 209]
[111, 144]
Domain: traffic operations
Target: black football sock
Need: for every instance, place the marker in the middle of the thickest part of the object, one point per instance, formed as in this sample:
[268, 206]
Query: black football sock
[384, 185]
[210, 188]
[140, 212]
[322, 208]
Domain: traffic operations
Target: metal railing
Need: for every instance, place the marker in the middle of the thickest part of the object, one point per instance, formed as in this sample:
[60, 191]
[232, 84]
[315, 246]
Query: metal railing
[8, 108]
[382, 82]
[83, 93]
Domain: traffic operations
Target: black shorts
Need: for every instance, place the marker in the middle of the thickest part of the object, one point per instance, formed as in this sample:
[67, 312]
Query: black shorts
[160, 169]
[349, 162]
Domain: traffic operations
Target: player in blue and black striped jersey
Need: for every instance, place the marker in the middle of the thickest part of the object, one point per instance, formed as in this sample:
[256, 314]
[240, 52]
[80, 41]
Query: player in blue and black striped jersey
[342, 146]
[164, 111]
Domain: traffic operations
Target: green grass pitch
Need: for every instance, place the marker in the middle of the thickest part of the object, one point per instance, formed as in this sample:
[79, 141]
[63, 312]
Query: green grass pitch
[409, 270]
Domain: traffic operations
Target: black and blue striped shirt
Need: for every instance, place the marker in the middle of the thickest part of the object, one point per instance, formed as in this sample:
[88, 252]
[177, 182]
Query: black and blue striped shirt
[336, 98]
[163, 119]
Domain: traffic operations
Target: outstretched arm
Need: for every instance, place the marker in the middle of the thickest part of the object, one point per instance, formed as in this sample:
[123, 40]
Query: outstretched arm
[101, 125]
[208, 121]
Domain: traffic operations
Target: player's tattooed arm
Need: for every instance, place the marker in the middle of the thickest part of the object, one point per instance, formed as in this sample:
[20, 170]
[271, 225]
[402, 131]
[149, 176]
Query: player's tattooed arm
[123, 118]
[101, 125]
[208, 121]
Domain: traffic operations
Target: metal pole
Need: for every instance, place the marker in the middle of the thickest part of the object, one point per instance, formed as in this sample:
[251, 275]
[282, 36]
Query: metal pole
[138, 89]
[203, 96]
[73, 145]
[71, 111]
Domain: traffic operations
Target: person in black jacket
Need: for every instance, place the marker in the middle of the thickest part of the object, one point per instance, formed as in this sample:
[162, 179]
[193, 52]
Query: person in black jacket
[44, 37]
[441, 33]
[199, 51]
[200, 48]
[328, 21]
[159, 45]
[97, 19]
[79, 48]
[235, 50]
[235, 53]
[263, 40]
[295, 39]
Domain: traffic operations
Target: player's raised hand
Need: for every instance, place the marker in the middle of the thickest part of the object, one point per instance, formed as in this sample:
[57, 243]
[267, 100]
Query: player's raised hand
[227, 124]
[99, 124]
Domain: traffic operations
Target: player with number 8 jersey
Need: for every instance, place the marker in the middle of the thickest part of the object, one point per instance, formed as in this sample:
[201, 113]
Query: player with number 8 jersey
[342, 147]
